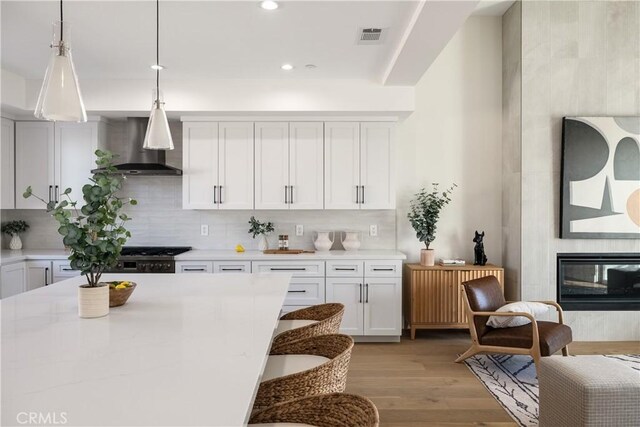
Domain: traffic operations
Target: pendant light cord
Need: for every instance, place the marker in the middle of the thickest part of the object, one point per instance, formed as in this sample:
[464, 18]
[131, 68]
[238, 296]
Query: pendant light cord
[157, 50]
[61, 22]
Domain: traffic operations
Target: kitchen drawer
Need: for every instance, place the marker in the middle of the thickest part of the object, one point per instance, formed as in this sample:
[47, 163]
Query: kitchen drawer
[297, 268]
[232, 266]
[305, 291]
[383, 268]
[63, 269]
[194, 267]
[345, 268]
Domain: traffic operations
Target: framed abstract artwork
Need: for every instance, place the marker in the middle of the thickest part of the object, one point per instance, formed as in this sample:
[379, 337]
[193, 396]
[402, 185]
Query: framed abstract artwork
[600, 194]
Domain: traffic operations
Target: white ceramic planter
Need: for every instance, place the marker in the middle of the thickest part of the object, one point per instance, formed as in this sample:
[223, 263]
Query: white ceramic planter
[15, 244]
[322, 242]
[427, 257]
[93, 301]
[351, 241]
[263, 243]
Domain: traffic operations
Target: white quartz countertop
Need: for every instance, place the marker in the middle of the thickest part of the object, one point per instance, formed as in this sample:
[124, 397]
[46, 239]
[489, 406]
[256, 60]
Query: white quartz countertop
[9, 257]
[207, 255]
[185, 350]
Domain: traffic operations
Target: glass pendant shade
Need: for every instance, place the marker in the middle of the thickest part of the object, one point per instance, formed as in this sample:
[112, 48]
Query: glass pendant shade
[60, 98]
[158, 136]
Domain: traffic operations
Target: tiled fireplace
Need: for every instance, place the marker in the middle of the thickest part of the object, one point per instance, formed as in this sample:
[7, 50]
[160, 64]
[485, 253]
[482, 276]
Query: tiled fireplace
[599, 281]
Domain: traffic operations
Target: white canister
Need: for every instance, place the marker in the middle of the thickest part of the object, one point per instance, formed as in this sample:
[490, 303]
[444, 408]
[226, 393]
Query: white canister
[322, 241]
[351, 241]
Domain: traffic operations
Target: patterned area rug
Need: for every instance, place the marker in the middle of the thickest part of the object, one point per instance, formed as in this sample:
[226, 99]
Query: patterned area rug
[513, 382]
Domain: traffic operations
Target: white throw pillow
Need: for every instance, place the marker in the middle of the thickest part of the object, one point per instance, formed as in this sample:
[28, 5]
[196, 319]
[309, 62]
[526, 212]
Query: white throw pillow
[534, 308]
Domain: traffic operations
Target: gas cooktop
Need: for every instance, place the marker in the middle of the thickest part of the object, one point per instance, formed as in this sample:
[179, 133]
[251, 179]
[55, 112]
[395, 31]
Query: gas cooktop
[154, 251]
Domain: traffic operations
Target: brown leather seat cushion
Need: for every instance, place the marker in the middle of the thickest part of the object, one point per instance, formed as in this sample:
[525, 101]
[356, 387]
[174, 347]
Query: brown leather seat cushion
[553, 336]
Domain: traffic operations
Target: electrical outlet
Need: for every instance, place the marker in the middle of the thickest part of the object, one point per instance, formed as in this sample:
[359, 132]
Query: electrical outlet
[373, 230]
[204, 230]
[299, 230]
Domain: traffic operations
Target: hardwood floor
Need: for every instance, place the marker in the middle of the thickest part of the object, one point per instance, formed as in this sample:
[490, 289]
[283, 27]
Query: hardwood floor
[416, 383]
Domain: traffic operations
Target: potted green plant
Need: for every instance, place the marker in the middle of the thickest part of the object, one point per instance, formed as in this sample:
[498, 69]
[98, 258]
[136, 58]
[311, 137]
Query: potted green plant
[424, 212]
[14, 229]
[260, 229]
[95, 233]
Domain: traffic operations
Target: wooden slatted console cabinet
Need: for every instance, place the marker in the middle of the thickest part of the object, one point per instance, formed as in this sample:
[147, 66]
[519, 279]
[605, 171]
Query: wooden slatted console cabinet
[432, 296]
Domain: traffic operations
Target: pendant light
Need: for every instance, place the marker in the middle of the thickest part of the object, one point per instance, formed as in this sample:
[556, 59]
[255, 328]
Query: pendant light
[60, 98]
[158, 136]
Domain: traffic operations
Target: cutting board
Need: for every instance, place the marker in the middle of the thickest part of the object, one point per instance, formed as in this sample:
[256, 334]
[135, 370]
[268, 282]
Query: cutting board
[287, 252]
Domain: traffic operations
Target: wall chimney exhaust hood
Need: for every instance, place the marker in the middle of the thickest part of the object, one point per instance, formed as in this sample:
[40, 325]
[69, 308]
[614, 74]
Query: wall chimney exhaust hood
[138, 160]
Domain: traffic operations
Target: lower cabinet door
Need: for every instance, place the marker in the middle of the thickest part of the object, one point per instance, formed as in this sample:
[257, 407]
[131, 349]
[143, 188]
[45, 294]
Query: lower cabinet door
[305, 291]
[38, 274]
[12, 278]
[350, 292]
[382, 306]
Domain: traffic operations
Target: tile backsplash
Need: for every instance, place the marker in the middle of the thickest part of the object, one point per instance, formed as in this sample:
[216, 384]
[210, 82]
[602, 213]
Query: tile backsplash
[159, 219]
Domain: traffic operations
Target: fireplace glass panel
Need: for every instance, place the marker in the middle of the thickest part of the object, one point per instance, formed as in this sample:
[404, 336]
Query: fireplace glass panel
[599, 282]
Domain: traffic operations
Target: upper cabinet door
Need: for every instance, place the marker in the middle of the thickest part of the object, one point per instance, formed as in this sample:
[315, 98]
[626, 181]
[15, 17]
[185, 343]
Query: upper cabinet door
[75, 145]
[34, 162]
[7, 165]
[200, 165]
[236, 165]
[272, 165]
[377, 166]
[306, 165]
[341, 165]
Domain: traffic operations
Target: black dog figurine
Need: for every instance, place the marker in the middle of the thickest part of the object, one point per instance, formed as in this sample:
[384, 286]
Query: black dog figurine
[480, 257]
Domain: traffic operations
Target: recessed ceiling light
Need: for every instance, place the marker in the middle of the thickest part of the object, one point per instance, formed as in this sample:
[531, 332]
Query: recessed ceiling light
[287, 67]
[269, 5]
[157, 67]
[311, 66]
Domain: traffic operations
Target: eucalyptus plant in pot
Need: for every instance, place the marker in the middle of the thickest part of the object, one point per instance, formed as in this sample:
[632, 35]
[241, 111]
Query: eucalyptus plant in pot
[95, 233]
[262, 229]
[424, 212]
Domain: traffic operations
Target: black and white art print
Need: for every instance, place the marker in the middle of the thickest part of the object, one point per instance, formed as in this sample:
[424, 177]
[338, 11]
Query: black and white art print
[600, 178]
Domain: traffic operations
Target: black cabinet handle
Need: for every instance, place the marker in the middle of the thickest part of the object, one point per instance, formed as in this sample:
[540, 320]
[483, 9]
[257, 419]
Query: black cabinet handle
[298, 292]
[286, 199]
[291, 194]
[50, 192]
[57, 194]
[67, 269]
[357, 194]
[288, 269]
[344, 269]
[215, 195]
[360, 285]
[46, 276]
[367, 290]
[193, 269]
[220, 194]
[232, 269]
[383, 269]
[362, 194]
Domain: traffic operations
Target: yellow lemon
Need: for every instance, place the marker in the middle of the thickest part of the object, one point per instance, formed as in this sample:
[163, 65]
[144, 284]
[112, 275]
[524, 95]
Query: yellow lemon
[125, 283]
[121, 286]
[239, 248]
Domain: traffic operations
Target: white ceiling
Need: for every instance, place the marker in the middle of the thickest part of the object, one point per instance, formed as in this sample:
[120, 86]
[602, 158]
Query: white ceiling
[206, 39]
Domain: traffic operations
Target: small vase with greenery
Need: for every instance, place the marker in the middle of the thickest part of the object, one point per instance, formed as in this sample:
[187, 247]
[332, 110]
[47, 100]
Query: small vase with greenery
[95, 233]
[260, 229]
[423, 215]
[15, 229]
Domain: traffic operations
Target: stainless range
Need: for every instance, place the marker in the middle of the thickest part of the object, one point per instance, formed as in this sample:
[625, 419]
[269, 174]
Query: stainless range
[148, 259]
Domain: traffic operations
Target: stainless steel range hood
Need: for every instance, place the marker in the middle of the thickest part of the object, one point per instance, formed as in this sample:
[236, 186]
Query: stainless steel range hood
[139, 161]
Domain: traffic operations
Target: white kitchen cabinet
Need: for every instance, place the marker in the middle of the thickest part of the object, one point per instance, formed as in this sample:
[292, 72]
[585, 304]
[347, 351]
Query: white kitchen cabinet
[61, 270]
[382, 306]
[51, 157]
[232, 266]
[194, 267]
[359, 165]
[35, 161]
[342, 165]
[38, 274]
[7, 165]
[12, 279]
[377, 166]
[305, 291]
[349, 292]
[289, 165]
[218, 165]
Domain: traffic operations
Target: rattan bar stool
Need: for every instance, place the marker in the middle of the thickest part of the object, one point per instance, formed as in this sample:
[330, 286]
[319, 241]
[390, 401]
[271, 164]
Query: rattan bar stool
[307, 367]
[323, 319]
[327, 410]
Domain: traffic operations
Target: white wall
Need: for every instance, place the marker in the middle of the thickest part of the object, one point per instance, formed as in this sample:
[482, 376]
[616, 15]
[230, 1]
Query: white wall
[454, 135]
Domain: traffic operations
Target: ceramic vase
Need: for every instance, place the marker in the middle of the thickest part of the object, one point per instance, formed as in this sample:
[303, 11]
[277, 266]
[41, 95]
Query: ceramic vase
[93, 301]
[351, 241]
[322, 241]
[263, 243]
[15, 244]
[427, 257]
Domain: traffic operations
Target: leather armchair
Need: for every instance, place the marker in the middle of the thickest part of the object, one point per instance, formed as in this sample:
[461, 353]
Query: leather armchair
[483, 297]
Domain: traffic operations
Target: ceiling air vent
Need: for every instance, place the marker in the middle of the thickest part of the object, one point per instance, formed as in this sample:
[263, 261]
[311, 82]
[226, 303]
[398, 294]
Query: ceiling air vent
[371, 35]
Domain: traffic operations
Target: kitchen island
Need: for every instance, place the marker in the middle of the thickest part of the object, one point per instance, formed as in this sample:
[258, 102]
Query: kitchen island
[185, 350]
